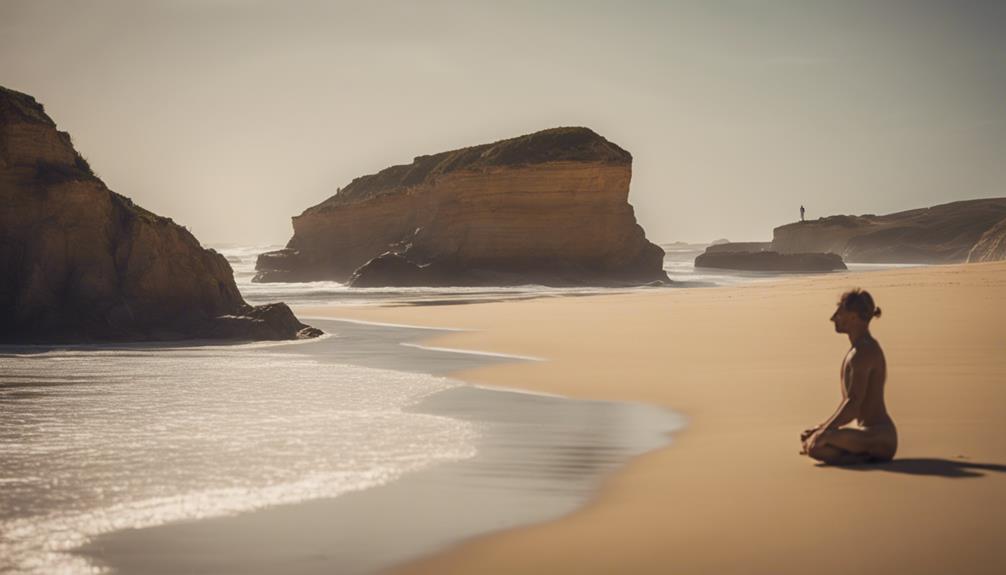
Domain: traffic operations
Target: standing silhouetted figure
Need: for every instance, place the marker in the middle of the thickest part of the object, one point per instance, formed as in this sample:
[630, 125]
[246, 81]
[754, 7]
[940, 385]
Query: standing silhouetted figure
[801, 213]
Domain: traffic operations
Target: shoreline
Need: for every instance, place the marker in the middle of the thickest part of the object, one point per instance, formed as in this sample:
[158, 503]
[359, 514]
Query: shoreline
[539, 457]
[701, 505]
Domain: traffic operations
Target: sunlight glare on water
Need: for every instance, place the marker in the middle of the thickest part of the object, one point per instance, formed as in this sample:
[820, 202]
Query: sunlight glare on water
[93, 441]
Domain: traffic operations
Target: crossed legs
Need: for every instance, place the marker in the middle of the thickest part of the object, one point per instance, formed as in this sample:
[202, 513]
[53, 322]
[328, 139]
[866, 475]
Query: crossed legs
[854, 446]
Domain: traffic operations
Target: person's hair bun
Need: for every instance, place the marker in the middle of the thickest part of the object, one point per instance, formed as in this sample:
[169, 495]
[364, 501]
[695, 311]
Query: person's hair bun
[861, 302]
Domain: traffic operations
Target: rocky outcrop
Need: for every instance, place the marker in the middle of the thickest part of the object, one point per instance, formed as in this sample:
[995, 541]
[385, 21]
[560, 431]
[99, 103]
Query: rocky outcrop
[739, 247]
[769, 261]
[941, 234]
[79, 262]
[395, 269]
[759, 256]
[991, 247]
[550, 208]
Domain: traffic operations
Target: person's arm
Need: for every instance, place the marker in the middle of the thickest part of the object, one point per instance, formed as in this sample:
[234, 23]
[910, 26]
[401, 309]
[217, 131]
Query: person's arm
[809, 432]
[849, 408]
[860, 366]
[859, 375]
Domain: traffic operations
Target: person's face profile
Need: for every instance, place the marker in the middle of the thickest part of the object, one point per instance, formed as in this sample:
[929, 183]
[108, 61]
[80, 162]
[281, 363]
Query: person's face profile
[840, 319]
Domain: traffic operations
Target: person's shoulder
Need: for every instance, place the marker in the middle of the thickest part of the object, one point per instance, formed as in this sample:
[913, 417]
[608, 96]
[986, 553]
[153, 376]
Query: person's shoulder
[868, 353]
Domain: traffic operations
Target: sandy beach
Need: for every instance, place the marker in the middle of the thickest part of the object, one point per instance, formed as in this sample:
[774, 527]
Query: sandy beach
[750, 367]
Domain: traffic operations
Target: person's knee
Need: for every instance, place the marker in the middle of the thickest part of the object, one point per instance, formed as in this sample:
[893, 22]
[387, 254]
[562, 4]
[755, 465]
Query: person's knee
[882, 454]
[821, 453]
[826, 453]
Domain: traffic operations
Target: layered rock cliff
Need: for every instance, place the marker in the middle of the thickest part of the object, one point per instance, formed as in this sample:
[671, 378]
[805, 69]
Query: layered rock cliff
[991, 247]
[79, 262]
[550, 207]
[945, 233]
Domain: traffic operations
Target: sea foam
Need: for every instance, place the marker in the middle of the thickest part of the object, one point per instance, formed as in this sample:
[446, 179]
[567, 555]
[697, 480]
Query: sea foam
[94, 441]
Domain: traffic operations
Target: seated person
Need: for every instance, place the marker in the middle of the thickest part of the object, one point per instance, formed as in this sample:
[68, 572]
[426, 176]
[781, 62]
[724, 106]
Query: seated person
[864, 372]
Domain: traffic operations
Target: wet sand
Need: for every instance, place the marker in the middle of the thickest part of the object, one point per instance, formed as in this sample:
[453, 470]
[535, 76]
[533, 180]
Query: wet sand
[539, 457]
[751, 367]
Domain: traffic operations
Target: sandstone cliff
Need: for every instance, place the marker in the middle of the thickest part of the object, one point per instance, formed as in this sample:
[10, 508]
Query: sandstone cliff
[941, 234]
[79, 262]
[991, 247]
[550, 207]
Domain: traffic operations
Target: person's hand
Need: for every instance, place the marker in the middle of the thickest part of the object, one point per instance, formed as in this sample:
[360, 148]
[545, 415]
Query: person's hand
[808, 432]
[804, 437]
[812, 441]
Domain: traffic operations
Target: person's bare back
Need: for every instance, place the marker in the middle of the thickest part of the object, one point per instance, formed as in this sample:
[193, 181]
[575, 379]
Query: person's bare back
[863, 375]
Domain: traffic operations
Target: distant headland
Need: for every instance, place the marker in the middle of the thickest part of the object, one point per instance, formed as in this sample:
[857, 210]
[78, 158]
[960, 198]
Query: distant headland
[957, 232]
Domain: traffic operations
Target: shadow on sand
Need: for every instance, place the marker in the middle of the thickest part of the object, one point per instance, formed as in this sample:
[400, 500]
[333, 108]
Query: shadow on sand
[931, 466]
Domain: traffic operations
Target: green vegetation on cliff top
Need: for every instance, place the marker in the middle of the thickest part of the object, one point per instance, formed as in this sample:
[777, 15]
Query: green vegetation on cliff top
[573, 144]
[19, 108]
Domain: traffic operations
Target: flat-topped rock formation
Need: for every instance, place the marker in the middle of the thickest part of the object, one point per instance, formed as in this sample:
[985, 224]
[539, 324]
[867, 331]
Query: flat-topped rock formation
[80, 263]
[941, 234]
[550, 208]
[769, 261]
[739, 247]
[759, 256]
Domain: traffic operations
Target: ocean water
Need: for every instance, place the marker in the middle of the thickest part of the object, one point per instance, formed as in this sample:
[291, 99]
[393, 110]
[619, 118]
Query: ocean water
[98, 440]
[539, 457]
[678, 263]
[242, 260]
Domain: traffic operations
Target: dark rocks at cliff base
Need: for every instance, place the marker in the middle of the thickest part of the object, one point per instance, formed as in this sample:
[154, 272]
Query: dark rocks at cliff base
[396, 270]
[81, 263]
[769, 261]
[391, 269]
[549, 206]
[265, 322]
[284, 265]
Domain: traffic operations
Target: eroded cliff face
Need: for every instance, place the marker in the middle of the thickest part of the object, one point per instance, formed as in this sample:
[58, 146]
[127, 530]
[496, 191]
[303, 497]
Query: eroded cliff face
[79, 262]
[551, 208]
[945, 233]
[991, 247]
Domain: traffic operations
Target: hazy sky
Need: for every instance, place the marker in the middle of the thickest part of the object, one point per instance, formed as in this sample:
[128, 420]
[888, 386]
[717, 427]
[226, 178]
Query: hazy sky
[231, 116]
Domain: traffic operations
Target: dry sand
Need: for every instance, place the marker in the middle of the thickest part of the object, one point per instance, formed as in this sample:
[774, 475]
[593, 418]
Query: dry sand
[751, 367]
